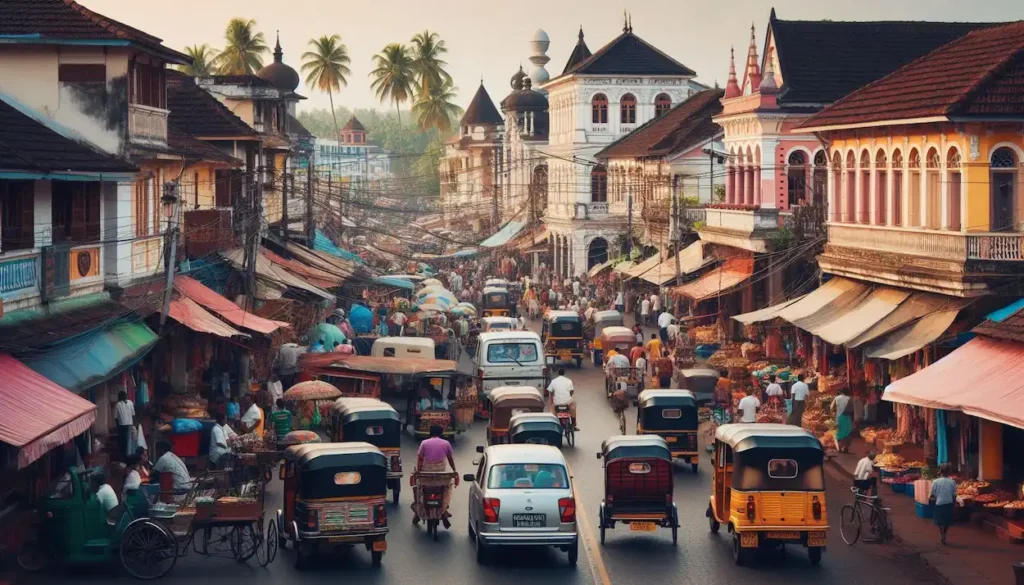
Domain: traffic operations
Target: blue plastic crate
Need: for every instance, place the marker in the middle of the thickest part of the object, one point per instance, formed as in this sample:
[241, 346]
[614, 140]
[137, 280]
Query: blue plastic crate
[909, 490]
[924, 510]
[899, 488]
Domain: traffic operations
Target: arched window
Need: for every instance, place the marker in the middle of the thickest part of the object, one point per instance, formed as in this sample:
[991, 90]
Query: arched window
[850, 209]
[599, 109]
[881, 188]
[837, 187]
[599, 184]
[627, 109]
[1003, 184]
[865, 187]
[662, 104]
[797, 178]
[933, 190]
[953, 179]
[896, 166]
[597, 252]
[820, 184]
[539, 190]
[914, 189]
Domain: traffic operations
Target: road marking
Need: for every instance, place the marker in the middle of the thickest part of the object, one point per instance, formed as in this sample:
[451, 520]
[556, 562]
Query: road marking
[597, 567]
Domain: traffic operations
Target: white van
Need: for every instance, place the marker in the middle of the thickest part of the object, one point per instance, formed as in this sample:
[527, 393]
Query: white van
[510, 358]
[404, 347]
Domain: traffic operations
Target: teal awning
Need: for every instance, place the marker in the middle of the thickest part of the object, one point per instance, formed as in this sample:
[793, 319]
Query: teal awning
[395, 282]
[321, 243]
[504, 235]
[88, 359]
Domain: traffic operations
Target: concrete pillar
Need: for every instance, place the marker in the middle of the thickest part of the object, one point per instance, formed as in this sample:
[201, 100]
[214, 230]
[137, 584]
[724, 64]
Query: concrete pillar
[748, 186]
[757, 186]
[730, 185]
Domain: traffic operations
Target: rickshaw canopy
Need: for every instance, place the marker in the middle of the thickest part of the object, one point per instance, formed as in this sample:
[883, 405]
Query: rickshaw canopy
[615, 335]
[608, 318]
[320, 456]
[556, 316]
[640, 446]
[701, 381]
[329, 364]
[748, 436]
[667, 397]
[369, 412]
[506, 392]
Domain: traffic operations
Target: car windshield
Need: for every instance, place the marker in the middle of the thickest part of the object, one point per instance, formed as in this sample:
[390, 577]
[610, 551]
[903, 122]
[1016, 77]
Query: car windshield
[510, 353]
[521, 476]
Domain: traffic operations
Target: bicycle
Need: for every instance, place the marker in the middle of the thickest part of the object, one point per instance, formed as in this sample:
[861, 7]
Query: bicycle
[852, 518]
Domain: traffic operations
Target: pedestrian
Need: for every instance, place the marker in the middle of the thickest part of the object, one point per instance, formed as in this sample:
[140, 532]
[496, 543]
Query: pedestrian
[799, 393]
[774, 393]
[220, 434]
[124, 415]
[274, 387]
[288, 361]
[943, 497]
[863, 475]
[282, 420]
[636, 353]
[654, 347]
[252, 419]
[233, 409]
[620, 303]
[655, 303]
[664, 320]
[645, 311]
[749, 406]
[842, 407]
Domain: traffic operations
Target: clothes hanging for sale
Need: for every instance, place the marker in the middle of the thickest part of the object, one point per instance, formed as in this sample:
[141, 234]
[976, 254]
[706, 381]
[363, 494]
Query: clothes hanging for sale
[941, 455]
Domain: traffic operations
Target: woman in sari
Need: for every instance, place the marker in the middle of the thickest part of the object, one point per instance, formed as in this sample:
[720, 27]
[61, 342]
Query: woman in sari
[842, 406]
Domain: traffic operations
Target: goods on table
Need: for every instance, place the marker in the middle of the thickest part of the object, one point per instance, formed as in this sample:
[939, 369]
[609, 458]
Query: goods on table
[247, 443]
[997, 505]
[758, 365]
[906, 478]
[1015, 505]
[752, 350]
[992, 498]
[972, 487]
[704, 334]
[889, 460]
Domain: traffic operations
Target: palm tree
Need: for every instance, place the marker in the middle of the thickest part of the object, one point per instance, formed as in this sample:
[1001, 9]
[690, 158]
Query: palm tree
[394, 79]
[203, 57]
[242, 49]
[326, 67]
[436, 108]
[428, 48]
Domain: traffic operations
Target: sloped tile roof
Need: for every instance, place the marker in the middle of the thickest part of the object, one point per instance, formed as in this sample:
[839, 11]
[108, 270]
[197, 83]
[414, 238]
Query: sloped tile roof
[685, 125]
[481, 110]
[194, 149]
[822, 61]
[195, 112]
[354, 125]
[628, 54]
[28, 145]
[580, 53]
[66, 19]
[981, 73]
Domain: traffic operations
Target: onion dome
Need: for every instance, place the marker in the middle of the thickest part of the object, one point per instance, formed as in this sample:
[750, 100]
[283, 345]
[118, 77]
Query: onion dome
[517, 79]
[281, 76]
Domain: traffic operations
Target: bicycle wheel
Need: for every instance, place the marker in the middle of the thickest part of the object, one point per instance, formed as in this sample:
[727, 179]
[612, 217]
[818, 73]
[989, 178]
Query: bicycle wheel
[880, 524]
[849, 523]
[622, 423]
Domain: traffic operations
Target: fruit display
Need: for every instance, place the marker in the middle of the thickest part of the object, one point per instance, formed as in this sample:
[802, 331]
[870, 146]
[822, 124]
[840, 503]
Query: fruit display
[1015, 505]
[704, 334]
[888, 460]
[993, 498]
[906, 478]
[972, 487]
[997, 505]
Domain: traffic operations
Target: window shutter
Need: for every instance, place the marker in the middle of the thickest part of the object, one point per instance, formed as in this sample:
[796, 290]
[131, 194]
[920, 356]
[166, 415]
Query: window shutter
[78, 214]
[26, 233]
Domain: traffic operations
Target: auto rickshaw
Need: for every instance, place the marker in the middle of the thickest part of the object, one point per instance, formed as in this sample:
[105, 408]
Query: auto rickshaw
[702, 382]
[769, 489]
[563, 336]
[671, 415]
[374, 422]
[602, 320]
[507, 401]
[539, 428]
[496, 302]
[334, 493]
[622, 340]
[638, 485]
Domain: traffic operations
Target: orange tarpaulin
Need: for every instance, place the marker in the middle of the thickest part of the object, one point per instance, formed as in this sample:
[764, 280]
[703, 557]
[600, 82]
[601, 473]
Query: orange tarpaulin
[731, 273]
[983, 378]
[234, 314]
[313, 275]
[190, 314]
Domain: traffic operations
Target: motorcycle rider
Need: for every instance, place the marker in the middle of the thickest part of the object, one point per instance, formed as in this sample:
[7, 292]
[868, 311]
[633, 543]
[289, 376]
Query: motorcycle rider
[431, 457]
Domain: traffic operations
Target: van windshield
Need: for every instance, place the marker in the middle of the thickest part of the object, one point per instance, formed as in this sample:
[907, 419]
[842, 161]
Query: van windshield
[510, 353]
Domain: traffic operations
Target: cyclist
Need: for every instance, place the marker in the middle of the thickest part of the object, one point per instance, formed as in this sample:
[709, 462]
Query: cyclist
[863, 475]
[620, 402]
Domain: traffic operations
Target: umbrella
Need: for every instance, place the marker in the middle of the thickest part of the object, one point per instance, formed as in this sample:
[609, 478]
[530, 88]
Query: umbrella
[312, 390]
[300, 438]
[467, 305]
[431, 282]
[435, 299]
[444, 295]
[459, 311]
[433, 307]
[361, 319]
[328, 333]
[430, 289]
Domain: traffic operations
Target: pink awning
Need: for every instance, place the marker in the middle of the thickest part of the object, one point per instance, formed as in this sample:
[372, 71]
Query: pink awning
[36, 414]
[983, 378]
[206, 297]
[196, 318]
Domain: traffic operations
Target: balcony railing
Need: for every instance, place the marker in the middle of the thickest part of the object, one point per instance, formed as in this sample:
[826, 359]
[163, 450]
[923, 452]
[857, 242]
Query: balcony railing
[933, 244]
[741, 221]
[19, 273]
[596, 209]
[147, 125]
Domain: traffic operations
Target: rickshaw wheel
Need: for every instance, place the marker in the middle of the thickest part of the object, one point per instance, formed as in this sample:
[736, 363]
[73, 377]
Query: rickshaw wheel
[675, 527]
[579, 363]
[713, 524]
[148, 550]
[739, 556]
[395, 491]
[32, 558]
[814, 553]
[601, 522]
[244, 542]
[376, 557]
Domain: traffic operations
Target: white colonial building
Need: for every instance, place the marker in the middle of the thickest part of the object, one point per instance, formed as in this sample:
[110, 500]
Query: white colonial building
[596, 100]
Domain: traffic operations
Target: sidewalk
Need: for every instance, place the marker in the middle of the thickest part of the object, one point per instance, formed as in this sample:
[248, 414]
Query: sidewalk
[973, 556]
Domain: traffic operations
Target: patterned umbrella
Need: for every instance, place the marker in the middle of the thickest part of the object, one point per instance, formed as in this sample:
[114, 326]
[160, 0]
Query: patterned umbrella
[431, 281]
[312, 390]
[300, 438]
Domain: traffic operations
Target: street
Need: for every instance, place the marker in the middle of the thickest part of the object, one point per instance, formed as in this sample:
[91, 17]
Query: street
[626, 559]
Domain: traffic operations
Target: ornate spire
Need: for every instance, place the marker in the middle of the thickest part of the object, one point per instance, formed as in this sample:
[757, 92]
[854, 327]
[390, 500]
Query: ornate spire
[278, 53]
[625, 22]
[732, 87]
[581, 33]
[753, 71]
[768, 85]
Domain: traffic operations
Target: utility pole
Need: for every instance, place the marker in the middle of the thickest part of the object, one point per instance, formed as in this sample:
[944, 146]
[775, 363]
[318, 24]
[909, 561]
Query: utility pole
[253, 226]
[310, 226]
[629, 224]
[676, 235]
[170, 197]
[284, 204]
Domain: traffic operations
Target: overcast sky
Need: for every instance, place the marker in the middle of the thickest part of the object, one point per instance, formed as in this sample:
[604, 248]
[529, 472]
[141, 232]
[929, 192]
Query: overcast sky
[490, 39]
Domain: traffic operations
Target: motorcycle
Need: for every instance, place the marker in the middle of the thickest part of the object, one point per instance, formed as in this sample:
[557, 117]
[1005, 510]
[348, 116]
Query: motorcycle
[568, 425]
[431, 493]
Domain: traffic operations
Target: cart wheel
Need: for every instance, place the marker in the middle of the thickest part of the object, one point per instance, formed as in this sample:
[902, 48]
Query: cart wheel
[376, 557]
[32, 558]
[148, 549]
[245, 542]
[395, 491]
[713, 524]
[267, 553]
[814, 553]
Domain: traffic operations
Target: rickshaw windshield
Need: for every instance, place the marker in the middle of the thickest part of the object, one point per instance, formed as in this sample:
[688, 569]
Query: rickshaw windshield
[342, 482]
[670, 418]
[778, 470]
[527, 476]
[566, 329]
[510, 353]
[495, 300]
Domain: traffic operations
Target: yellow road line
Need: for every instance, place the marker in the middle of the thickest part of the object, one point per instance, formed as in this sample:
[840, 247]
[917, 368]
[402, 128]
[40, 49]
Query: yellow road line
[586, 531]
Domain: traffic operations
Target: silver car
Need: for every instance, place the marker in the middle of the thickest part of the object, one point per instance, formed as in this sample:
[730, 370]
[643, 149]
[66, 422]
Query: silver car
[521, 495]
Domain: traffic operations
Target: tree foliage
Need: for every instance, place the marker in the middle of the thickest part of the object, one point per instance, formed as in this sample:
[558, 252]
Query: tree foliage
[203, 57]
[394, 78]
[326, 68]
[243, 48]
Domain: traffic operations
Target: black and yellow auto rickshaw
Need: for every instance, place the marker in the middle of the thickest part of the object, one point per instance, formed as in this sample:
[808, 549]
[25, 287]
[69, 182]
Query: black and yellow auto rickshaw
[433, 402]
[374, 422]
[496, 302]
[769, 489]
[602, 319]
[563, 337]
[506, 401]
[638, 485]
[538, 428]
[672, 415]
[334, 494]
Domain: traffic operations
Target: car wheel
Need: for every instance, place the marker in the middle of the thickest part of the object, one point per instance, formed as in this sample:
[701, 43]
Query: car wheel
[481, 551]
[376, 557]
[574, 552]
[814, 553]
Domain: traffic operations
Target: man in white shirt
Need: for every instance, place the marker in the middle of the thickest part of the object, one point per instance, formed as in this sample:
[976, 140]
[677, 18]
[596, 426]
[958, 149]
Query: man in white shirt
[774, 390]
[168, 462]
[219, 436]
[252, 418]
[664, 320]
[275, 388]
[655, 303]
[522, 322]
[673, 332]
[799, 391]
[400, 319]
[576, 288]
[104, 493]
[124, 415]
[645, 311]
[748, 407]
[561, 391]
[863, 475]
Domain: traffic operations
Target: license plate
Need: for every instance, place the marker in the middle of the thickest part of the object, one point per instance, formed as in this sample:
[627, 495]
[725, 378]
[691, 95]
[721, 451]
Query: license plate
[512, 383]
[433, 503]
[816, 539]
[380, 545]
[784, 535]
[565, 354]
[341, 539]
[748, 539]
[643, 526]
[529, 520]
[671, 439]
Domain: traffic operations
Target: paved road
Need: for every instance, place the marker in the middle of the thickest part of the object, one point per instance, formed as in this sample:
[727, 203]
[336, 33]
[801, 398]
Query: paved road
[626, 559]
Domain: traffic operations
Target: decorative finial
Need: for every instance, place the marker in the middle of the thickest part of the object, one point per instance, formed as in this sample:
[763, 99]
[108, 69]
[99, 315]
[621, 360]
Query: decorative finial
[581, 32]
[631, 23]
[732, 86]
[278, 53]
[625, 22]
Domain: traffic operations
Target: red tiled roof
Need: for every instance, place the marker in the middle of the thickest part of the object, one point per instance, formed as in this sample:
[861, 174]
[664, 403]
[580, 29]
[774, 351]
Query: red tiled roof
[685, 125]
[66, 19]
[197, 113]
[979, 74]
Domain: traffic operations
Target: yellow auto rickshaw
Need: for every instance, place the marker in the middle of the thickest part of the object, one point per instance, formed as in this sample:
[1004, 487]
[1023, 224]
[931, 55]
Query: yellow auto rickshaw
[562, 332]
[603, 319]
[506, 401]
[769, 489]
[672, 415]
[496, 302]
